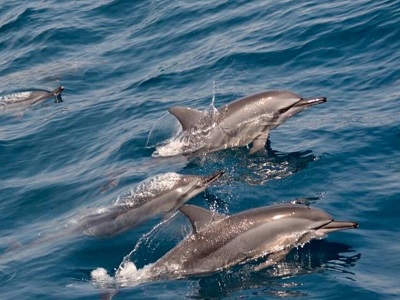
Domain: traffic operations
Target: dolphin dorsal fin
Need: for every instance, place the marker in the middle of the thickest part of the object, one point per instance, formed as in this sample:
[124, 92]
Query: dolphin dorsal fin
[188, 117]
[200, 217]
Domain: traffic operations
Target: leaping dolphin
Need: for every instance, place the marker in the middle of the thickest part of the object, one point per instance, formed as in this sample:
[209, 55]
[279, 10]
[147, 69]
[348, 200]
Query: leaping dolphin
[23, 99]
[159, 195]
[239, 123]
[219, 241]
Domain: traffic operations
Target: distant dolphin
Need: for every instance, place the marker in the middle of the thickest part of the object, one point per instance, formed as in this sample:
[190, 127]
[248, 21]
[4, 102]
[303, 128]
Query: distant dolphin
[23, 99]
[239, 123]
[159, 195]
[219, 241]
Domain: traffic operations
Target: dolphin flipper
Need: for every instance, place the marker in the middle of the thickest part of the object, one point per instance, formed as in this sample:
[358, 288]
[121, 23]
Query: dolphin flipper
[259, 142]
[272, 259]
[188, 117]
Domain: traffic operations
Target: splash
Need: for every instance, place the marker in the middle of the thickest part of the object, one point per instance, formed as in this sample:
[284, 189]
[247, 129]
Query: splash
[172, 147]
[14, 97]
[195, 139]
[127, 274]
[165, 128]
[101, 278]
[212, 109]
[149, 188]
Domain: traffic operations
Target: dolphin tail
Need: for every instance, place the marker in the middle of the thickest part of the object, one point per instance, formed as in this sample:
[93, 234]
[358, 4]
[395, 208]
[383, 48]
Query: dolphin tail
[273, 258]
[260, 141]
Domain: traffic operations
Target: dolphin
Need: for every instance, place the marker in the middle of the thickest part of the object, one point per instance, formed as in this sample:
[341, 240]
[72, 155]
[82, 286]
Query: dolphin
[159, 195]
[219, 242]
[22, 99]
[239, 123]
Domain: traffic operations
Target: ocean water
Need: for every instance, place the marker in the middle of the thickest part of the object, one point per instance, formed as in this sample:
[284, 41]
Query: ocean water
[124, 63]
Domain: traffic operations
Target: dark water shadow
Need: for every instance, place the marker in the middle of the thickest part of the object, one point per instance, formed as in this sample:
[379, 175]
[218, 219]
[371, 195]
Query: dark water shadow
[238, 164]
[319, 256]
[255, 169]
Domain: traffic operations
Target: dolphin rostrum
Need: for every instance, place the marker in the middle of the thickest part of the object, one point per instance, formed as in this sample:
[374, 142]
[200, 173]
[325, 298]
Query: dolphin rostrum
[219, 241]
[22, 99]
[239, 123]
[159, 195]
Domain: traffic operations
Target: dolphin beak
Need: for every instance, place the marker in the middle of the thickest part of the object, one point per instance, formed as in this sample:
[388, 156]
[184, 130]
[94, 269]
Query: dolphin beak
[209, 179]
[310, 101]
[58, 90]
[57, 93]
[337, 225]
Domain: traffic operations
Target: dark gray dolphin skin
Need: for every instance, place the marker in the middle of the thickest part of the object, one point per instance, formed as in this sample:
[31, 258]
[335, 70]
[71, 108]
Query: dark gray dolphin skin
[244, 121]
[159, 195]
[27, 98]
[219, 241]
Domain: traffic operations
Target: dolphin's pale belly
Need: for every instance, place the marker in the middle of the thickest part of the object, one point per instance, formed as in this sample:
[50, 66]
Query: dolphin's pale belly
[190, 261]
[216, 138]
[242, 135]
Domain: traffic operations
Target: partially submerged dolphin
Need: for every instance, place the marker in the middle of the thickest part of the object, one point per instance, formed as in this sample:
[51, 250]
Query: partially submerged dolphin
[23, 99]
[239, 123]
[219, 241]
[160, 195]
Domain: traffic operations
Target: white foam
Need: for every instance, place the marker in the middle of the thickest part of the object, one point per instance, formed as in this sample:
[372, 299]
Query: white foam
[165, 128]
[101, 278]
[102, 210]
[172, 148]
[149, 188]
[14, 97]
[128, 275]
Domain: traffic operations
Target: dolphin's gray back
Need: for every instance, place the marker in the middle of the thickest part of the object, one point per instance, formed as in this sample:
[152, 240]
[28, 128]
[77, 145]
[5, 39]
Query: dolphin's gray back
[266, 103]
[39, 95]
[282, 211]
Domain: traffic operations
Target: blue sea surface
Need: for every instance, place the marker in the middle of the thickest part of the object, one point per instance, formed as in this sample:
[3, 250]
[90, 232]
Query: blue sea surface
[124, 63]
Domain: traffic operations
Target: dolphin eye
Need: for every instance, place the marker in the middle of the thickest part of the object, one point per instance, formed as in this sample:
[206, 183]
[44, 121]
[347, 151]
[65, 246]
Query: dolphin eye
[283, 110]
